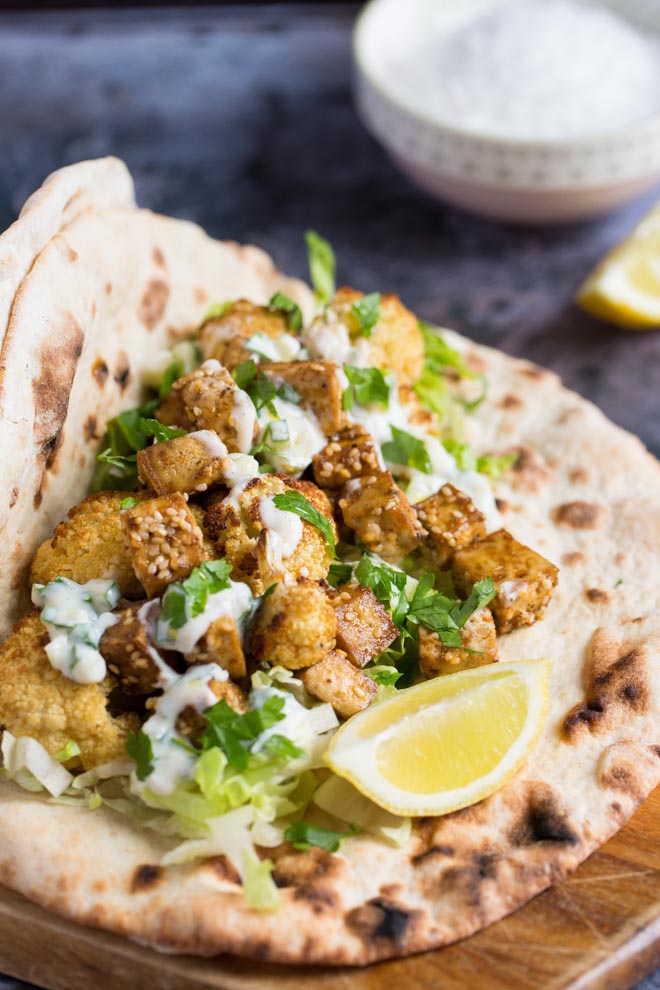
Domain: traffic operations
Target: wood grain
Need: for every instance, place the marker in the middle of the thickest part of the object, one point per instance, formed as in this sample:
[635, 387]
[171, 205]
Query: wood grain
[598, 930]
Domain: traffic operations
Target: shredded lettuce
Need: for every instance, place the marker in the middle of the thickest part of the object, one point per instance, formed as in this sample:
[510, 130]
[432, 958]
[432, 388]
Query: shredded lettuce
[340, 799]
[30, 765]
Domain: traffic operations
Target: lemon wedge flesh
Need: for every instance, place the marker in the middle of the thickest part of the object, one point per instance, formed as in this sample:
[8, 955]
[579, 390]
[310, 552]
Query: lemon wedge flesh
[447, 743]
[625, 287]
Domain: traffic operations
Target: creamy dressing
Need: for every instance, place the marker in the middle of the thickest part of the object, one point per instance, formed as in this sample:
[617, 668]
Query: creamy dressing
[284, 529]
[76, 616]
[234, 602]
[295, 725]
[212, 443]
[328, 339]
[166, 675]
[286, 347]
[305, 436]
[238, 469]
[244, 418]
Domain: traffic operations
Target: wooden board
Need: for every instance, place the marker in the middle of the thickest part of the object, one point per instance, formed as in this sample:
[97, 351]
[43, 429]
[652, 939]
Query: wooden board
[598, 930]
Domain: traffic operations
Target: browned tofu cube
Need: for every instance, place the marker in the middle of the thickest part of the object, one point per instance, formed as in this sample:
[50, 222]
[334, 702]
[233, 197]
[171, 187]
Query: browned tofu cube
[212, 400]
[479, 647]
[223, 337]
[192, 724]
[164, 540]
[172, 412]
[131, 653]
[451, 520]
[334, 679]
[364, 629]
[221, 644]
[524, 579]
[377, 510]
[192, 463]
[319, 386]
[295, 626]
[349, 454]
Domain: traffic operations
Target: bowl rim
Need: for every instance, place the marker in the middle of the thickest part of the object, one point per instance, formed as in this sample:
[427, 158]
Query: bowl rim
[617, 135]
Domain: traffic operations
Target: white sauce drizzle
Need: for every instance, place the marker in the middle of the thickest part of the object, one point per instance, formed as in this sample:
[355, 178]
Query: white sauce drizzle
[166, 676]
[234, 602]
[214, 446]
[284, 529]
[305, 436]
[244, 419]
[286, 347]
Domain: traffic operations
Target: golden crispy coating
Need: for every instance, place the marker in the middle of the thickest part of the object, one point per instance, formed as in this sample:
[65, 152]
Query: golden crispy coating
[244, 540]
[295, 626]
[381, 515]
[184, 464]
[334, 679]
[164, 540]
[37, 701]
[130, 652]
[452, 521]
[319, 386]
[351, 453]
[90, 544]
[478, 634]
[192, 724]
[172, 412]
[221, 644]
[212, 401]
[223, 337]
[523, 578]
[364, 629]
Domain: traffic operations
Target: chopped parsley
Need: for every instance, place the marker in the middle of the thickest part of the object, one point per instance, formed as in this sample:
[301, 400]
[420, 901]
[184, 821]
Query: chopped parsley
[292, 501]
[406, 449]
[367, 311]
[339, 573]
[138, 745]
[261, 389]
[128, 502]
[152, 428]
[321, 266]
[492, 465]
[233, 732]
[445, 615]
[186, 356]
[183, 600]
[387, 583]
[217, 309]
[291, 310]
[383, 675]
[367, 387]
[302, 835]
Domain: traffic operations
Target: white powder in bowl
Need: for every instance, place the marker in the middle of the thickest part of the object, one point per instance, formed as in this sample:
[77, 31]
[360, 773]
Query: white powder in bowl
[536, 69]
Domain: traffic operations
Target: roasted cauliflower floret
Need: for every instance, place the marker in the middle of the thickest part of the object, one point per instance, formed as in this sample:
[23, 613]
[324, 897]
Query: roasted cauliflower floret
[295, 625]
[395, 343]
[318, 384]
[524, 579]
[452, 521]
[212, 401]
[223, 337]
[192, 463]
[37, 701]
[364, 629]
[380, 514]
[334, 679]
[164, 540]
[90, 544]
[479, 647]
[130, 652]
[221, 644]
[351, 453]
[255, 550]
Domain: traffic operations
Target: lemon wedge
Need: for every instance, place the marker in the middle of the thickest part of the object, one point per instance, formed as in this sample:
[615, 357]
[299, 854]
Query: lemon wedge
[447, 743]
[625, 287]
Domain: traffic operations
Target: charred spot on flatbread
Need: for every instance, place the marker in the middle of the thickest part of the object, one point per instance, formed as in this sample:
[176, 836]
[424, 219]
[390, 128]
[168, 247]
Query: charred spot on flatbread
[617, 687]
[382, 919]
[223, 870]
[597, 596]
[628, 768]
[579, 515]
[292, 869]
[158, 257]
[544, 819]
[573, 558]
[122, 372]
[435, 851]
[13, 496]
[153, 303]
[578, 476]
[511, 402]
[530, 470]
[146, 877]
[89, 427]
[100, 372]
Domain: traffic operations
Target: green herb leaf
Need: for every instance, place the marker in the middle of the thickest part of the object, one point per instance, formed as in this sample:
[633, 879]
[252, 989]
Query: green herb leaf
[339, 573]
[321, 266]
[152, 428]
[138, 745]
[387, 584]
[120, 462]
[283, 748]
[384, 675]
[295, 502]
[462, 454]
[244, 373]
[440, 356]
[183, 600]
[482, 592]
[367, 310]
[291, 310]
[406, 449]
[217, 309]
[230, 730]
[302, 835]
[495, 465]
[367, 385]
[128, 502]
[444, 615]
[187, 356]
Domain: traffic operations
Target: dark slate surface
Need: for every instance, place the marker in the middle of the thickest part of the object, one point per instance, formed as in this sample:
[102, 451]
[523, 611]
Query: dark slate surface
[243, 121]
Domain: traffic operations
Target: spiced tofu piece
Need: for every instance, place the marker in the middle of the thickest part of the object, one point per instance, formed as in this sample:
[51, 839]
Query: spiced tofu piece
[295, 625]
[224, 337]
[130, 652]
[192, 463]
[524, 579]
[364, 629]
[376, 509]
[351, 453]
[318, 384]
[164, 540]
[192, 724]
[172, 412]
[335, 680]
[212, 401]
[221, 644]
[452, 521]
[479, 647]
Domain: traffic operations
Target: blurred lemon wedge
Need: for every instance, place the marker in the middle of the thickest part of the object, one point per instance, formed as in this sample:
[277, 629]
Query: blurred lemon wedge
[447, 743]
[625, 287]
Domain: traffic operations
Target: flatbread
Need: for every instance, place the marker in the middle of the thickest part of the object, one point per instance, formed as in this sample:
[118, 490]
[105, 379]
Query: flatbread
[584, 493]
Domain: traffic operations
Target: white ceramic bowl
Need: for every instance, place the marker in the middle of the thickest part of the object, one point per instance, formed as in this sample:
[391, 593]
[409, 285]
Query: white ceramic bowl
[543, 181]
